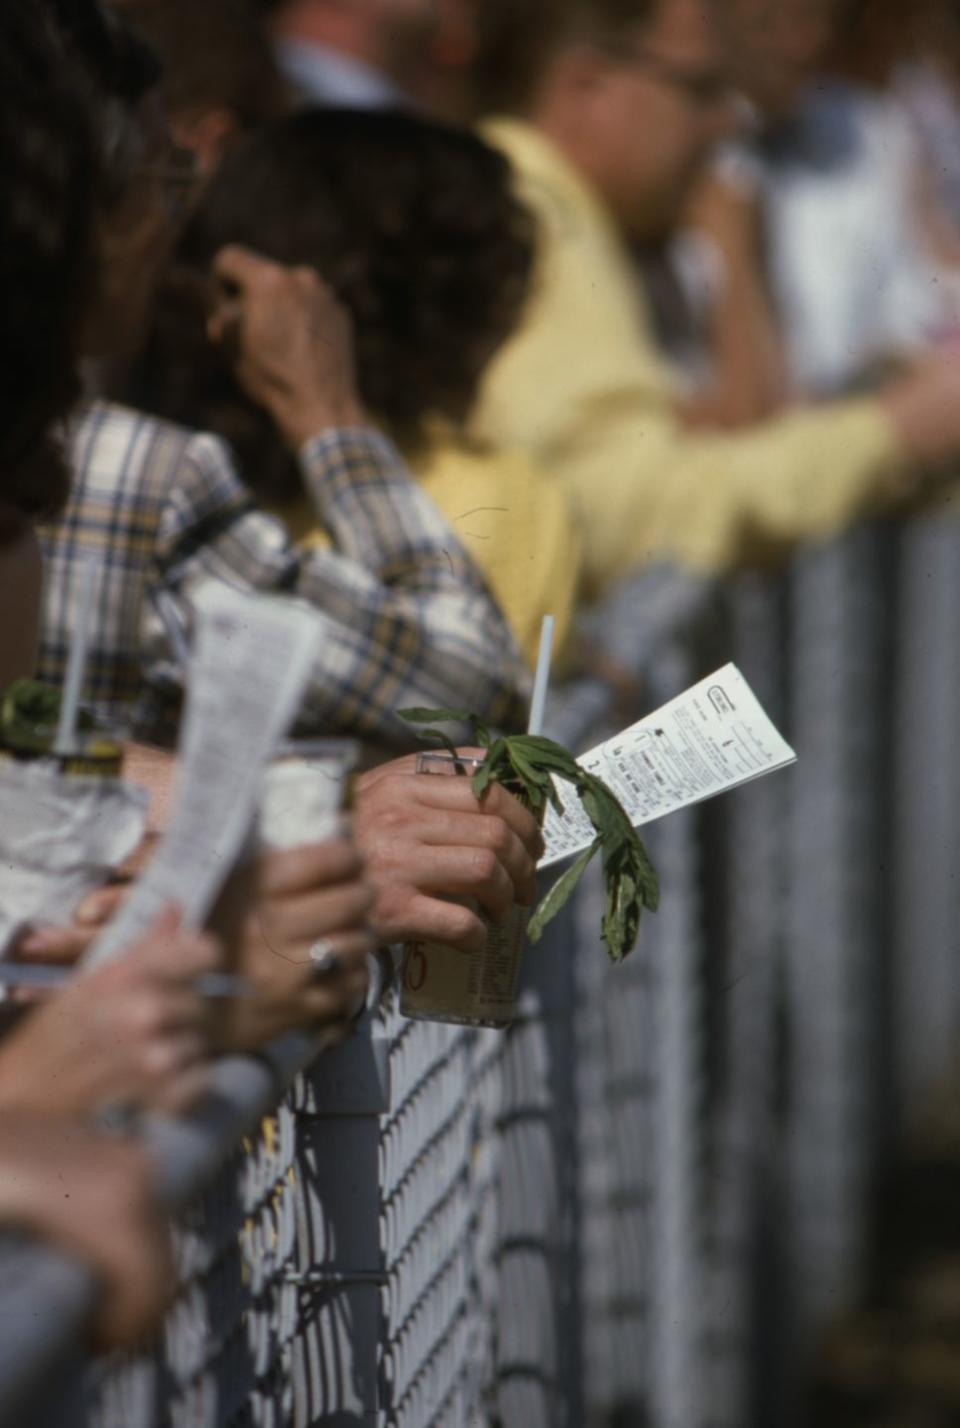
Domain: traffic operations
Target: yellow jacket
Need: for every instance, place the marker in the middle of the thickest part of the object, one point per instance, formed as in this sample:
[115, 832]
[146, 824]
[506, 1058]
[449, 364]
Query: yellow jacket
[513, 521]
[581, 387]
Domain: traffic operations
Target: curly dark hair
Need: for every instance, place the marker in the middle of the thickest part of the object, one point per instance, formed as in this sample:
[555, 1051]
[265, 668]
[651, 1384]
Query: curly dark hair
[415, 228]
[46, 252]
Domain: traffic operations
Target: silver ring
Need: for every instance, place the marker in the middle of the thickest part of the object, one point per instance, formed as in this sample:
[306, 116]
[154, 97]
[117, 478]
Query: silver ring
[325, 958]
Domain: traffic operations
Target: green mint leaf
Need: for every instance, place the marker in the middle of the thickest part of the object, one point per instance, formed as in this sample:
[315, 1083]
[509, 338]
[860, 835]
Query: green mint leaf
[560, 894]
[435, 716]
[528, 765]
[490, 771]
[481, 732]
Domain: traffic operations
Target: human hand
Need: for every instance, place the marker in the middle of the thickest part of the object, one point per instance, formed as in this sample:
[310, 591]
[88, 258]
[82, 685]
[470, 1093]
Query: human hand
[91, 1195]
[730, 212]
[134, 1030]
[427, 839]
[924, 406]
[270, 917]
[290, 343]
[66, 946]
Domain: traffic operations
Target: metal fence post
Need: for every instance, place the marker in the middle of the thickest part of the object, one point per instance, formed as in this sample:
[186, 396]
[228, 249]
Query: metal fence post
[835, 920]
[926, 974]
[339, 1270]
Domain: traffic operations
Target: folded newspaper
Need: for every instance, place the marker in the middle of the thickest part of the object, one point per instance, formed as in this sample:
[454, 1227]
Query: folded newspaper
[250, 664]
[713, 738]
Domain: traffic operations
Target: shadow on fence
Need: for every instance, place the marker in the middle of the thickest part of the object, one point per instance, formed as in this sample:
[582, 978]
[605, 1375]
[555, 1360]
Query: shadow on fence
[646, 1203]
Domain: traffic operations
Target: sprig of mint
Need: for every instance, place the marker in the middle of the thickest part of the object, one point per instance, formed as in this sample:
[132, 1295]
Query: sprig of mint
[29, 711]
[527, 764]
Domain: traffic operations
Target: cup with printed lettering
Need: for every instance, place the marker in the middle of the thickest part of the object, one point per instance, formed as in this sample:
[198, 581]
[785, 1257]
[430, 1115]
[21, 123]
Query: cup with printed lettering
[440, 983]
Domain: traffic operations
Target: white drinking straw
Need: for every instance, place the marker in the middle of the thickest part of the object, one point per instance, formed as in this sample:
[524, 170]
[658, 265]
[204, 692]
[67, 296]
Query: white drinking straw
[77, 662]
[173, 626]
[541, 680]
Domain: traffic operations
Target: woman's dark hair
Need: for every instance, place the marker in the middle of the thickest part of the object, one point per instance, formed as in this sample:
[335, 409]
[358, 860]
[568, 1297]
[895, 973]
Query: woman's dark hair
[412, 224]
[46, 252]
[117, 69]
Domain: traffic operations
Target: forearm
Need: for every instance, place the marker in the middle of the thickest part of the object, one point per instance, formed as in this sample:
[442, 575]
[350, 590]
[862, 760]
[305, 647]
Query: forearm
[377, 515]
[446, 648]
[406, 617]
[715, 502]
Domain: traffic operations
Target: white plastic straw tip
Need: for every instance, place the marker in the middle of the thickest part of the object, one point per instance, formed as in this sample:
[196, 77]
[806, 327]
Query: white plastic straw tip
[541, 681]
[77, 659]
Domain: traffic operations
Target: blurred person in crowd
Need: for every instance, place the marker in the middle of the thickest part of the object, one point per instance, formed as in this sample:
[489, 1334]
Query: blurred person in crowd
[406, 617]
[365, 54]
[47, 260]
[222, 73]
[137, 1030]
[616, 109]
[712, 309]
[134, 1031]
[48, 255]
[415, 229]
[487, 856]
[913, 58]
[88, 1193]
[91, 1195]
[219, 75]
[838, 173]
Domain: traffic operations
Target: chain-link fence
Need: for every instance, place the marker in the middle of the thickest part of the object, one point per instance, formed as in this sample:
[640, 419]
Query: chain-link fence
[643, 1204]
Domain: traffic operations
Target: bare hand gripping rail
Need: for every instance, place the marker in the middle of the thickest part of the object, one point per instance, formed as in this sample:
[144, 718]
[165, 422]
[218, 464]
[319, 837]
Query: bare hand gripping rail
[46, 1297]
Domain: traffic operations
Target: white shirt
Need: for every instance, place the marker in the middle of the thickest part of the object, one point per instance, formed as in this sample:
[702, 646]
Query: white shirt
[850, 272]
[325, 76]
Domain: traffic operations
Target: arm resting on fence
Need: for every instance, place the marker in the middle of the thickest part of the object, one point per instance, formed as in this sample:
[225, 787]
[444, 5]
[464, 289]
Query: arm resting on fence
[47, 1296]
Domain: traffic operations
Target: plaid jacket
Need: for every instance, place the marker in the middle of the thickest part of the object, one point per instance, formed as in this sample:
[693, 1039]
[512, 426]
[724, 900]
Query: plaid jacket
[406, 617]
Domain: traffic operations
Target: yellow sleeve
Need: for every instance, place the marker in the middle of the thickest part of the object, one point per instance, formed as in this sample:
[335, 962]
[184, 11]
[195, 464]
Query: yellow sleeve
[518, 528]
[582, 389]
[515, 524]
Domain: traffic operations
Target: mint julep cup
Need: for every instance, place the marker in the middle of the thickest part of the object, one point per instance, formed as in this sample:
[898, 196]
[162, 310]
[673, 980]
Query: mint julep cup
[441, 983]
[306, 791]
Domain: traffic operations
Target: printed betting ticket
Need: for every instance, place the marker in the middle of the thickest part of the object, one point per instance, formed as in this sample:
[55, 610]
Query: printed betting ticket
[711, 739]
[250, 664]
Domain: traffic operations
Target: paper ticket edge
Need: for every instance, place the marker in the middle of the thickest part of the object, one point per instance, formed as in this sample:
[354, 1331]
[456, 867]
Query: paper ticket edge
[788, 759]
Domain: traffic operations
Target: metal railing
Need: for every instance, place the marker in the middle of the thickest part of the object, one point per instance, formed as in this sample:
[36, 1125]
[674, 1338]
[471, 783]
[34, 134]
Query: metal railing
[644, 1203]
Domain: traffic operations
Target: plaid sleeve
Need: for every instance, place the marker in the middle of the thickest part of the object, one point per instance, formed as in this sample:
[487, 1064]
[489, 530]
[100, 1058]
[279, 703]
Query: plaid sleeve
[406, 617]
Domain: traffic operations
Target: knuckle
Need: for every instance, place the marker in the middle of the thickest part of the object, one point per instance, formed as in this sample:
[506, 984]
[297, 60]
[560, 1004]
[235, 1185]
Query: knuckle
[484, 865]
[495, 799]
[145, 1016]
[391, 816]
[274, 277]
[461, 922]
[497, 834]
[160, 1059]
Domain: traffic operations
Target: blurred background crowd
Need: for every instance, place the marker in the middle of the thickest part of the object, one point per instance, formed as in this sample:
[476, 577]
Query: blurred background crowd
[436, 316]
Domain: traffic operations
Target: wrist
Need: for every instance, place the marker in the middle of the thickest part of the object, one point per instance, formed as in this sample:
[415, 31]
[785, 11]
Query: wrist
[922, 409]
[303, 423]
